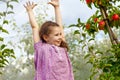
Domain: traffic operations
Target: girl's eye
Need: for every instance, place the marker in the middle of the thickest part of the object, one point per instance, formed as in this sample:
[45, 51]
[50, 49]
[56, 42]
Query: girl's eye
[56, 34]
[60, 33]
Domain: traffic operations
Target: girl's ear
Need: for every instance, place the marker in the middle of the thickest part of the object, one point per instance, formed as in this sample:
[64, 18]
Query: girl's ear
[45, 37]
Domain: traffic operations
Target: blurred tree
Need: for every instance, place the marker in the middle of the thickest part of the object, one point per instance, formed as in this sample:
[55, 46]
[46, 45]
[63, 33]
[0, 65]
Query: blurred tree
[20, 69]
[76, 52]
[5, 52]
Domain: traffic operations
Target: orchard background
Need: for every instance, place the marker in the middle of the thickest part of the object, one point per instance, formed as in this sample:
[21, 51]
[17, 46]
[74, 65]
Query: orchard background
[93, 57]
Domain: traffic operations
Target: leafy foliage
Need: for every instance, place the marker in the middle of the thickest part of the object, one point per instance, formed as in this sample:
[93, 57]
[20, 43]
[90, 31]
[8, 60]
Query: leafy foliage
[5, 52]
[111, 8]
[78, 44]
[105, 61]
[19, 69]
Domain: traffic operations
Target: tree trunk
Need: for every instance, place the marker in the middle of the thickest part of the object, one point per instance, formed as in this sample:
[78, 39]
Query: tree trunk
[112, 36]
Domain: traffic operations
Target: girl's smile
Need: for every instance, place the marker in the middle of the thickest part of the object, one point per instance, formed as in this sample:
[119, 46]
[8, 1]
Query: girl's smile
[54, 37]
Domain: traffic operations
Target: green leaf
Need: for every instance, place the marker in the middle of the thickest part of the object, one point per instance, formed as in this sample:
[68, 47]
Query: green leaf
[91, 39]
[12, 51]
[81, 41]
[10, 12]
[13, 56]
[5, 22]
[79, 21]
[5, 31]
[4, 13]
[96, 5]
[76, 32]
[5, 60]
[90, 48]
[3, 46]
[98, 52]
[83, 46]
[84, 35]
[73, 25]
[0, 72]
[1, 65]
[15, 0]
[89, 5]
[107, 65]
[86, 56]
[1, 14]
[11, 6]
[0, 27]
[1, 39]
[6, 51]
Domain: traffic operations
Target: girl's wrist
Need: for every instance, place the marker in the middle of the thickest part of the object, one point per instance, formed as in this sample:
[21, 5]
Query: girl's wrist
[56, 6]
[29, 11]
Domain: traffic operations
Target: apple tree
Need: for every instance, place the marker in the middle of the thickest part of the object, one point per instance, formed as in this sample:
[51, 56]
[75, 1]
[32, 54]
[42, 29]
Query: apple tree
[106, 18]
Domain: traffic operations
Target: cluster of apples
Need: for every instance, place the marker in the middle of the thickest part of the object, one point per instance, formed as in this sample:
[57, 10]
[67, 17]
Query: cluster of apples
[101, 23]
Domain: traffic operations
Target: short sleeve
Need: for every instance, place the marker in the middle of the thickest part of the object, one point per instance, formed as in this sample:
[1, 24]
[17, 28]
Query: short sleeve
[38, 52]
[38, 45]
[38, 60]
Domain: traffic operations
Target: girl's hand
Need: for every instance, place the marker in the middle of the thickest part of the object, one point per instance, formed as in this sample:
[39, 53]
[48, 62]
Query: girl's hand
[54, 3]
[29, 6]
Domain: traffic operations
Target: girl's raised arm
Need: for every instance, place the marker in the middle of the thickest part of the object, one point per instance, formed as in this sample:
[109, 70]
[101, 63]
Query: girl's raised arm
[58, 17]
[35, 27]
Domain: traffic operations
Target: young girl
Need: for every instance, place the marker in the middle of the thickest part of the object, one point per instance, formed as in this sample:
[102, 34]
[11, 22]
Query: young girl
[51, 58]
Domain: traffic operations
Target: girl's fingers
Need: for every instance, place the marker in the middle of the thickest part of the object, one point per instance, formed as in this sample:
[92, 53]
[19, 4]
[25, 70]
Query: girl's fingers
[34, 5]
[49, 2]
[24, 5]
[52, 3]
[55, 0]
[29, 3]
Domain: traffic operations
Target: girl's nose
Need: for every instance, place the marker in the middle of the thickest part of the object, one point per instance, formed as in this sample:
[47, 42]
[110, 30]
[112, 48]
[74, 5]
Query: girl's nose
[60, 37]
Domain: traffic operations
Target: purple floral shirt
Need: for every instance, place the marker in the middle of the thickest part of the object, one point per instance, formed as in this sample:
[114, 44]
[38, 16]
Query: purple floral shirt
[51, 63]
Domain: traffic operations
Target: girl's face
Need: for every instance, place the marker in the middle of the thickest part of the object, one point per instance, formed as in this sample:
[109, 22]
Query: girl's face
[55, 36]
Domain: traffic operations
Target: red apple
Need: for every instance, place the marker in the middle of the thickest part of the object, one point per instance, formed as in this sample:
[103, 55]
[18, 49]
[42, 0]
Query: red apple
[95, 20]
[101, 25]
[87, 26]
[115, 17]
[88, 1]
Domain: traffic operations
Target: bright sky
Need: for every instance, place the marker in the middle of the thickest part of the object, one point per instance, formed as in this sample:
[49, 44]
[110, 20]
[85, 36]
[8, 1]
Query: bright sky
[71, 10]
